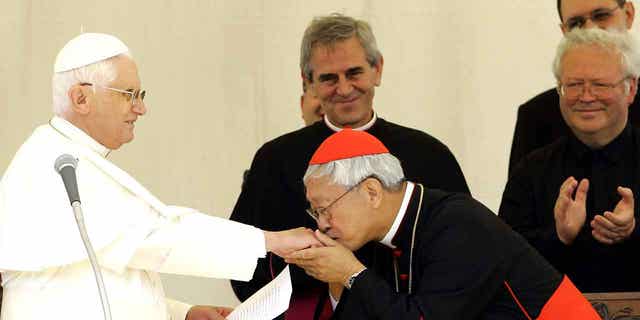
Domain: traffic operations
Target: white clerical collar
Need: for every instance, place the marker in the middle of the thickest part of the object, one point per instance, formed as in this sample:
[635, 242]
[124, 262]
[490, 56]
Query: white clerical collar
[399, 216]
[366, 126]
[75, 134]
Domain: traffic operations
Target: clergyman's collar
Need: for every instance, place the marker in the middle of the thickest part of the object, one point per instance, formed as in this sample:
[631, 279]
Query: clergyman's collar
[365, 127]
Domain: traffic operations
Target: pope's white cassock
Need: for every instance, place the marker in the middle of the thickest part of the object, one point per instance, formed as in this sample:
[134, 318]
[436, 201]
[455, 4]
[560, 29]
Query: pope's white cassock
[45, 270]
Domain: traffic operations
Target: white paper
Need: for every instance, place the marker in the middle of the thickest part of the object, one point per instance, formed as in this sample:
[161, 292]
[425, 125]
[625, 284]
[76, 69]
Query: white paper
[269, 302]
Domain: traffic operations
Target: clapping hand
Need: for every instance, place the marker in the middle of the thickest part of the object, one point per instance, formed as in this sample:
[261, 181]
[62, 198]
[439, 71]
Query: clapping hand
[614, 227]
[570, 213]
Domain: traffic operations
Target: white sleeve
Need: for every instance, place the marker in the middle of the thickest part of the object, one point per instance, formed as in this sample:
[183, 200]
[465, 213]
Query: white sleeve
[177, 310]
[197, 244]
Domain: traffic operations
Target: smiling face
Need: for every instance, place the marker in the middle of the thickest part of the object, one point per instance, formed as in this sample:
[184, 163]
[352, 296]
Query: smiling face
[595, 120]
[345, 82]
[112, 115]
[348, 220]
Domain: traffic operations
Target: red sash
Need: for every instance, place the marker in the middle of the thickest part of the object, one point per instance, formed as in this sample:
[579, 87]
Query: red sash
[568, 303]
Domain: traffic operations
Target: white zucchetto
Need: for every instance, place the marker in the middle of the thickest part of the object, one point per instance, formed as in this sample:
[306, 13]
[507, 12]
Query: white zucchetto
[86, 49]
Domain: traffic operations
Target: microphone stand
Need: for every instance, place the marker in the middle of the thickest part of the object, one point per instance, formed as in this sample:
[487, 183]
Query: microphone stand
[65, 165]
[77, 212]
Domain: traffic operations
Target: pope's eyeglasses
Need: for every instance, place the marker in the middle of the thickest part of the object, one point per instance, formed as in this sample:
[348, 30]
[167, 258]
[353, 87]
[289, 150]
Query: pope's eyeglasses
[134, 95]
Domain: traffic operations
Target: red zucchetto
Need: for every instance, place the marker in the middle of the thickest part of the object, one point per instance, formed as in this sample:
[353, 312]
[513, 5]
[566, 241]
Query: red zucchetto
[346, 144]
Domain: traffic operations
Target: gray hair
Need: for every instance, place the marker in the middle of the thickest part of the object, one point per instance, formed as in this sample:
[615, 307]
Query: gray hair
[349, 172]
[101, 73]
[329, 30]
[617, 41]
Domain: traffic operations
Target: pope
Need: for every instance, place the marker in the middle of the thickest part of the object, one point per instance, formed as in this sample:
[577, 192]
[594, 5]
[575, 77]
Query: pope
[97, 100]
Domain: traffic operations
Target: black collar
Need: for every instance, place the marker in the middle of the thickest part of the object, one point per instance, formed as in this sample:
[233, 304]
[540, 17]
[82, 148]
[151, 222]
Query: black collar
[611, 153]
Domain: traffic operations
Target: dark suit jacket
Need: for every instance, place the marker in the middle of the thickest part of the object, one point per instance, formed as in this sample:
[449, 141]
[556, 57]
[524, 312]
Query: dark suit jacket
[539, 123]
[462, 258]
[531, 192]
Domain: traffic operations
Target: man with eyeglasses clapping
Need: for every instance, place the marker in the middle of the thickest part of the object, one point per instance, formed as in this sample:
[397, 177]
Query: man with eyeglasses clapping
[574, 199]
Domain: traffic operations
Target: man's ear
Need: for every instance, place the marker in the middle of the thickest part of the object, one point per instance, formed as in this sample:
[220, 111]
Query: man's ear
[630, 12]
[633, 88]
[79, 99]
[309, 84]
[306, 79]
[378, 72]
[373, 192]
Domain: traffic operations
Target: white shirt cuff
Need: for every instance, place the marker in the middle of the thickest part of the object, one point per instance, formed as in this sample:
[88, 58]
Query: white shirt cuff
[334, 302]
[177, 310]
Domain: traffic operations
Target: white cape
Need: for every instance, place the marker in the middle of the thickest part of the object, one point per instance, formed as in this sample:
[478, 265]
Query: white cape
[129, 228]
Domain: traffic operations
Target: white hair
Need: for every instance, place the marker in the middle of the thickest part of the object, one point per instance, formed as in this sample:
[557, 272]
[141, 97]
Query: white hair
[349, 172]
[101, 73]
[621, 42]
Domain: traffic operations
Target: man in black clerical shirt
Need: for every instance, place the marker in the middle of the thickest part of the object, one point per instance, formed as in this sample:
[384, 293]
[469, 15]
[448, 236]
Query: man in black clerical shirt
[539, 121]
[341, 62]
[574, 199]
[439, 255]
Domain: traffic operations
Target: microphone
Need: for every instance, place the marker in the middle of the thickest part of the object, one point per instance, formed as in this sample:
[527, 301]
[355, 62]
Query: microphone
[65, 165]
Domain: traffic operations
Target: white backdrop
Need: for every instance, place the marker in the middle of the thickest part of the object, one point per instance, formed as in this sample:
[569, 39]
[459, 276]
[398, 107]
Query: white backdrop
[222, 78]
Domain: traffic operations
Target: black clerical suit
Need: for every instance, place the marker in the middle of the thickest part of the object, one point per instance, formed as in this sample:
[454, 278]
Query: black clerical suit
[465, 263]
[273, 197]
[540, 122]
[530, 196]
